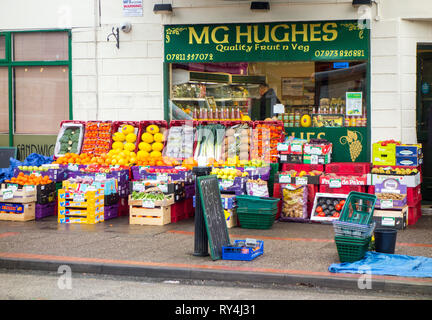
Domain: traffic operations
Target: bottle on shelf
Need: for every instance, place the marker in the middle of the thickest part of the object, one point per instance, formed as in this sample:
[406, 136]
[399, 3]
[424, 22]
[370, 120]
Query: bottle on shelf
[195, 114]
[237, 114]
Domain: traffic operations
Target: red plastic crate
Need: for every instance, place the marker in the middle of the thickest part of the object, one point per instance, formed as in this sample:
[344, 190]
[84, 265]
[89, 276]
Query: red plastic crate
[302, 167]
[348, 168]
[414, 213]
[277, 193]
[324, 188]
[123, 209]
[178, 212]
[189, 209]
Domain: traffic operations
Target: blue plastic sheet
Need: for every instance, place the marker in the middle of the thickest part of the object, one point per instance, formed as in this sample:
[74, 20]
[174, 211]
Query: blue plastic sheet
[33, 159]
[387, 264]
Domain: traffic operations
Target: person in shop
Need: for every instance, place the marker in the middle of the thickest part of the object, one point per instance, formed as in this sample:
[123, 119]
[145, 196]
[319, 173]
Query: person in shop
[267, 101]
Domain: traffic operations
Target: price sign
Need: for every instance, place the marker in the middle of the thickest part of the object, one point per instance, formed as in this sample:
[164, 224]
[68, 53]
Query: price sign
[286, 178]
[73, 167]
[138, 186]
[163, 187]
[386, 204]
[388, 221]
[8, 194]
[100, 176]
[226, 183]
[29, 188]
[314, 159]
[12, 186]
[335, 183]
[301, 181]
[78, 197]
[148, 204]
[163, 177]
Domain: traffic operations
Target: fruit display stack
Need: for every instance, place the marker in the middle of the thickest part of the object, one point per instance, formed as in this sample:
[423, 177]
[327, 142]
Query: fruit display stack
[237, 143]
[152, 143]
[265, 138]
[180, 142]
[97, 137]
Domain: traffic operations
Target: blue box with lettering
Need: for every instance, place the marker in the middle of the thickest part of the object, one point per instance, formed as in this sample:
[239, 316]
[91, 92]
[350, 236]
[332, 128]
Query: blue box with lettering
[241, 251]
[409, 150]
[409, 161]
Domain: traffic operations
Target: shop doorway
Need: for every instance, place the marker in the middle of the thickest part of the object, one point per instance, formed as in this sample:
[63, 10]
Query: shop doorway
[424, 114]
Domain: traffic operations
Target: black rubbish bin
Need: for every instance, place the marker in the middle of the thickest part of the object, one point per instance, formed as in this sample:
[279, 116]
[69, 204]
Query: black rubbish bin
[385, 240]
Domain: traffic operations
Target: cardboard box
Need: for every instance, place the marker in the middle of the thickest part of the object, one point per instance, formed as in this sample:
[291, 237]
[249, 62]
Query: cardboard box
[409, 150]
[317, 149]
[390, 194]
[384, 155]
[413, 161]
[290, 158]
[397, 219]
[228, 201]
[410, 181]
[316, 159]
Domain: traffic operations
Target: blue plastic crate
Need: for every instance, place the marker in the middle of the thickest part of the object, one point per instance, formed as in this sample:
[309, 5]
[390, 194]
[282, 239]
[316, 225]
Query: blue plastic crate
[242, 253]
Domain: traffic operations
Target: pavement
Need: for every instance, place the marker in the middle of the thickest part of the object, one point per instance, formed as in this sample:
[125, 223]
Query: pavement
[294, 253]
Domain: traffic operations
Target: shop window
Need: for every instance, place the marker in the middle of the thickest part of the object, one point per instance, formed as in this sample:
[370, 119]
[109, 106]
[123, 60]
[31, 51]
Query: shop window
[328, 94]
[41, 98]
[2, 47]
[4, 100]
[40, 46]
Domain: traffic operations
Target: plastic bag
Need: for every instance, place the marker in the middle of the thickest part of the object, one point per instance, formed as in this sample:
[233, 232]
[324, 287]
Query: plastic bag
[294, 201]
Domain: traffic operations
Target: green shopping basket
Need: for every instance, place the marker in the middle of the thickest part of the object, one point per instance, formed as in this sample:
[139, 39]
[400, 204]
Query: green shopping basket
[255, 202]
[359, 208]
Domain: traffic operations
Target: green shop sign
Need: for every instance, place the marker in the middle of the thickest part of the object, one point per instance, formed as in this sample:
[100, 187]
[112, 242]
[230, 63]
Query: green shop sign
[276, 41]
[349, 144]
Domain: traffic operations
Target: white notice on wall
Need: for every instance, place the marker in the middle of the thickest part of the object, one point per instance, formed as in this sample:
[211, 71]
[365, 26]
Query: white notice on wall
[278, 108]
[354, 103]
[132, 8]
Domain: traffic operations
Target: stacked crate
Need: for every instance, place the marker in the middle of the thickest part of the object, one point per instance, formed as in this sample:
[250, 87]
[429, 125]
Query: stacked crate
[145, 212]
[17, 204]
[80, 207]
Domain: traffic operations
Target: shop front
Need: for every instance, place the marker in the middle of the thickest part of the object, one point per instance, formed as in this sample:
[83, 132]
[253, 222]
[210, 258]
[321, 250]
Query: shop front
[318, 73]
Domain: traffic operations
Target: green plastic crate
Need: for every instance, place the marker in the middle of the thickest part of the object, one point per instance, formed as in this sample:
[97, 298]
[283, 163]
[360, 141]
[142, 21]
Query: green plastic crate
[255, 202]
[256, 219]
[351, 249]
[359, 208]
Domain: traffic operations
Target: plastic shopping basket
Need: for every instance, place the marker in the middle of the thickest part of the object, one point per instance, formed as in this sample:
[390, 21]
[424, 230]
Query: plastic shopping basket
[255, 202]
[359, 208]
[354, 230]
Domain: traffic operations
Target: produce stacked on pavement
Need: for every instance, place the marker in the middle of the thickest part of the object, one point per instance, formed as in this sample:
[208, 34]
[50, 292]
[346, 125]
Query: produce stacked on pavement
[150, 165]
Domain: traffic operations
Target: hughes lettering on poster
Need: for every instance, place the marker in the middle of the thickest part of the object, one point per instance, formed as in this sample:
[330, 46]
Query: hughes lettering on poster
[264, 34]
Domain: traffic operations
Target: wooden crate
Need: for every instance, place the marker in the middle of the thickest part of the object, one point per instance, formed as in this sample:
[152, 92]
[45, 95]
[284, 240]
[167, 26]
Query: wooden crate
[26, 214]
[169, 200]
[20, 195]
[144, 216]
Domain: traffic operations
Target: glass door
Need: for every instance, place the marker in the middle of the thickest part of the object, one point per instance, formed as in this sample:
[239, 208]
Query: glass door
[424, 115]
